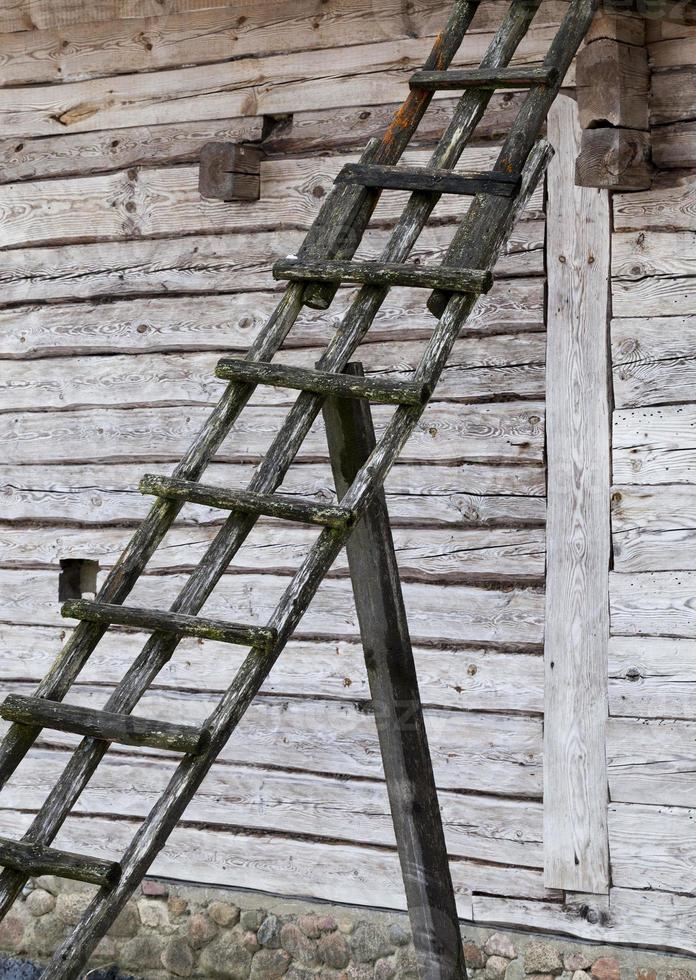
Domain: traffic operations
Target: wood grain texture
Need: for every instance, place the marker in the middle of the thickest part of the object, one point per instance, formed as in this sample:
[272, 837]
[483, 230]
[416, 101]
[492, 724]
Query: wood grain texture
[652, 677]
[637, 255]
[376, 73]
[167, 201]
[205, 263]
[482, 433]
[673, 96]
[470, 495]
[577, 615]
[675, 146]
[651, 761]
[425, 554]
[655, 445]
[654, 529]
[465, 614]
[653, 604]
[653, 360]
[318, 870]
[494, 754]
[470, 679]
[665, 833]
[670, 205]
[654, 297]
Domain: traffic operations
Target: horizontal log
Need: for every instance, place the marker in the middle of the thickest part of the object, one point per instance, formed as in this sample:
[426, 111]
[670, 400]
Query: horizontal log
[376, 71]
[495, 754]
[167, 201]
[35, 860]
[662, 920]
[425, 554]
[481, 433]
[668, 206]
[473, 679]
[283, 507]
[385, 274]
[654, 529]
[673, 93]
[654, 445]
[674, 146]
[466, 496]
[654, 297]
[156, 621]
[652, 847]
[651, 761]
[637, 255]
[483, 828]
[490, 369]
[104, 725]
[331, 872]
[652, 677]
[207, 263]
[653, 604]
[465, 615]
[653, 360]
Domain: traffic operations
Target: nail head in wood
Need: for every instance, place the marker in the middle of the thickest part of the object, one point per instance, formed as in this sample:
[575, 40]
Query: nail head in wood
[230, 172]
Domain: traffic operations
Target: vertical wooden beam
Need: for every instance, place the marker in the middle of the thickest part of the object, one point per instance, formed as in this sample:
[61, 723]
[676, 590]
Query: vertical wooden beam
[578, 534]
[396, 702]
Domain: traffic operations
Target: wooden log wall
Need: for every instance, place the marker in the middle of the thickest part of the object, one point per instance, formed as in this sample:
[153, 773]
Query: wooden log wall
[121, 288]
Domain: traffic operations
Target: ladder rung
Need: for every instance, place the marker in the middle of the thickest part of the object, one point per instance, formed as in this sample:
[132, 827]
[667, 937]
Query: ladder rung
[35, 860]
[104, 725]
[426, 180]
[385, 274]
[270, 505]
[492, 78]
[158, 621]
[381, 391]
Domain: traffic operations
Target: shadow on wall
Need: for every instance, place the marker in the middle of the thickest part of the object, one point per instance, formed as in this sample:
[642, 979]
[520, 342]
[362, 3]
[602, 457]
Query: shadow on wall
[23, 970]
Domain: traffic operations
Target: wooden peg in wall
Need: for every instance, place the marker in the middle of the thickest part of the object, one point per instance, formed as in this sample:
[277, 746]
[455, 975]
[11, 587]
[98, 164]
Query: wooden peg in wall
[230, 172]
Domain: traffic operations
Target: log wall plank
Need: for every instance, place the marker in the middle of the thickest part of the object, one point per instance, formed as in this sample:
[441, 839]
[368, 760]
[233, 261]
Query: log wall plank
[577, 614]
[652, 677]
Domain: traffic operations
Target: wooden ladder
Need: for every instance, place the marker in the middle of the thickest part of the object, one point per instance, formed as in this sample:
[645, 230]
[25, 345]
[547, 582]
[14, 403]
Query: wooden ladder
[359, 521]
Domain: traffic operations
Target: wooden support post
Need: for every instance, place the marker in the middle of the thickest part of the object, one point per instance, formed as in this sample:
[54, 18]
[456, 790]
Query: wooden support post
[576, 849]
[230, 172]
[396, 702]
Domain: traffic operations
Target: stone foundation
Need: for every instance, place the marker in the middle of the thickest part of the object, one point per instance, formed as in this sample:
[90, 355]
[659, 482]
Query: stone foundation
[172, 931]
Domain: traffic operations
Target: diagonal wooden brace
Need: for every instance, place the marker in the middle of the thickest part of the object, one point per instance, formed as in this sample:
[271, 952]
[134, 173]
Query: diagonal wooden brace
[396, 702]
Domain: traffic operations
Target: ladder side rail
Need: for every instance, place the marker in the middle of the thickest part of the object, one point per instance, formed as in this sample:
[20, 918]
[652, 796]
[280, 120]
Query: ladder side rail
[347, 210]
[467, 115]
[160, 648]
[155, 830]
[486, 209]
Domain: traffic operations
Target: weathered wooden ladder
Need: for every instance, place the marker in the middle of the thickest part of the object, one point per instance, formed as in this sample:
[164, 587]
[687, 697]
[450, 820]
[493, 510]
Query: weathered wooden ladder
[359, 521]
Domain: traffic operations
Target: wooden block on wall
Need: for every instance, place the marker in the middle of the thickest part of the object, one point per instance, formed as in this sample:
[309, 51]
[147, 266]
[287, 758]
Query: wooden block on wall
[230, 172]
[616, 159]
[625, 27]
[613, 82]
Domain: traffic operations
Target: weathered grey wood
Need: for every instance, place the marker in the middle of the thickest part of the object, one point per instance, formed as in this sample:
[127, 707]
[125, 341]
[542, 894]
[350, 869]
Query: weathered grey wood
[103, 725]
[383, 274]
[667, 206]
[673, 97]
[651, 761]
[655, 445]
[33, 859]
[654, 528]
[577, 578]
[423, 179]
[463, 78]
[485, 828]
[269, 505]
[168, 622]
[674, 146]
[652, 677]
[397, 704]
[488, 212]
[465, 496]
[653, 360]
[613, 82]
[653, 604]
[382, 391]
[230, 172]
[615, 159]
